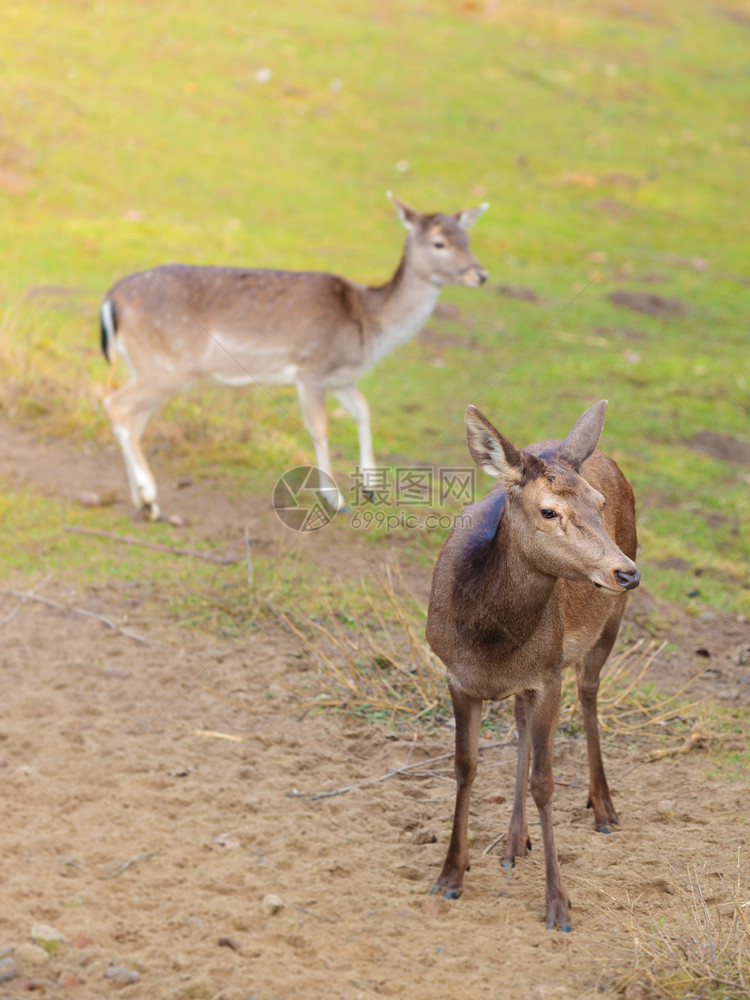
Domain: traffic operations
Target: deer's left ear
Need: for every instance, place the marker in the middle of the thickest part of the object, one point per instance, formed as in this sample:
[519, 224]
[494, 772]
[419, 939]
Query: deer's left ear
[584, 436]
[470, 215]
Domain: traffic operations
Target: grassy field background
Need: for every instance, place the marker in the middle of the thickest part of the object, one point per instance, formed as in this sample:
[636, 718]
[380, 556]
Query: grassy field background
[610, 139]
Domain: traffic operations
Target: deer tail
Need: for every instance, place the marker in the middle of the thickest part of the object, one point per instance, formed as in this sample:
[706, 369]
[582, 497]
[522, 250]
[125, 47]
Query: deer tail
[108, 325]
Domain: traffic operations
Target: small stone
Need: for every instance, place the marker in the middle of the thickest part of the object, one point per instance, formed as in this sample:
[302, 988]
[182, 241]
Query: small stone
[121, 974]
[8, 969]
[80, 940]
[47, 937]
[68, 980]
[425, 837]
[32, 954]
[271, 904]
[176, 521]
[88, 498]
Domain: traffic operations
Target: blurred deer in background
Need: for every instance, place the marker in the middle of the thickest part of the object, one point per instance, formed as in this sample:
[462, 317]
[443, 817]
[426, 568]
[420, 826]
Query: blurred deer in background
[177, 324]
[533, 578]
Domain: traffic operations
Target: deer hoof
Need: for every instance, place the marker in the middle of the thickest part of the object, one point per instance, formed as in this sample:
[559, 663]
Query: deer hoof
[152, 512]
[603, 829]
[448, 893]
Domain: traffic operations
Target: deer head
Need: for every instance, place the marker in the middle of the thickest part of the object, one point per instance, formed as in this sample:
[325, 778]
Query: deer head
[555, 518]
[438, 247]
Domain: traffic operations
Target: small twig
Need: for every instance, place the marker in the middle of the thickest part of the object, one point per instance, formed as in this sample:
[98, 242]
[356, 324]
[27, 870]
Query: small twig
[318, 916]
[698, 739]
[210, 734]
[294, 794]
[29, 595]
[12, 614]
[492, 844]
[127, 864]
[224, 560]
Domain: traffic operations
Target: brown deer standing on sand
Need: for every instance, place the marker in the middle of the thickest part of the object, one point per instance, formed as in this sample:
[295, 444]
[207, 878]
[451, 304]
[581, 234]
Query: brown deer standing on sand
[532, 578]
[176, 324]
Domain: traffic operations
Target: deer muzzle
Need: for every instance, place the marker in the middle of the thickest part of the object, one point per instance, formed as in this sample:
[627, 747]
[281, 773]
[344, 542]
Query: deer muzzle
[475, 276]
[628, 579]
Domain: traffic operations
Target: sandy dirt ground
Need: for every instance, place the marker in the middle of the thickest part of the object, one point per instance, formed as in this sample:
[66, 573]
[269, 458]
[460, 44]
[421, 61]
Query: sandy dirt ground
[151, 842]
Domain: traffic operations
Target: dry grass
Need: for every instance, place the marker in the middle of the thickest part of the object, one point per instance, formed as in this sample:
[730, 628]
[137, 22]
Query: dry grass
[702, 952]
[379, 665]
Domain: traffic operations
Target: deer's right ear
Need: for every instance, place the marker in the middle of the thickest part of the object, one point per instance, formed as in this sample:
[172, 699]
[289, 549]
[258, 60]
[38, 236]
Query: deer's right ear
[409, 216]
[490, 450]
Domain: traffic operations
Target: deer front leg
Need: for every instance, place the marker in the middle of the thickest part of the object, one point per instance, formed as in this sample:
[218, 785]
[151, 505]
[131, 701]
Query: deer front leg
[355, 403]
[543, 709]
[312, 399]
[587, 678]
[468, 713]
[519, 841]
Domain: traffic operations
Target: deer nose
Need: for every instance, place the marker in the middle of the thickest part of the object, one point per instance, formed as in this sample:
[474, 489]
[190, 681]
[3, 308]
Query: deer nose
[482, 275]
[628, 580]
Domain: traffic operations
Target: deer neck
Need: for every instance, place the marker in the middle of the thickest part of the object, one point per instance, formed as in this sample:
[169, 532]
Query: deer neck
[513, 597]
[400, 308]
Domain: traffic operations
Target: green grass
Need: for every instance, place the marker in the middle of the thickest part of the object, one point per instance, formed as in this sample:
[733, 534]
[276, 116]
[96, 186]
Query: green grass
[610, 140]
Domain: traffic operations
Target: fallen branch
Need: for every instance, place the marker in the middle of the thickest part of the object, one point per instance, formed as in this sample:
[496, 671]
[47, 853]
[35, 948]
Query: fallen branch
[119, 869]
[294, 794]
[698, 739]
[212, 735]
[29, 595]
[156, 546]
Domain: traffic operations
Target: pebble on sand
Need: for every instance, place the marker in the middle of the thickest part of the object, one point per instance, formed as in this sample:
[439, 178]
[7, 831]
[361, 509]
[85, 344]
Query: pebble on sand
[271, 904]
[32, 954]
[121, 974]
[47, 937]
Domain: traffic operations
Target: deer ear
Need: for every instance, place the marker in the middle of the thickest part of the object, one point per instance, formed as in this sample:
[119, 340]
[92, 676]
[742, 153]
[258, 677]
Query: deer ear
[470, 215]
[584, 437]
[490, 450]
[409, 216]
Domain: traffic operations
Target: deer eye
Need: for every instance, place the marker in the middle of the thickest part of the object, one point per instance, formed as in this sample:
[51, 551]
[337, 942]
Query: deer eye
[548, 513]
[439, 244]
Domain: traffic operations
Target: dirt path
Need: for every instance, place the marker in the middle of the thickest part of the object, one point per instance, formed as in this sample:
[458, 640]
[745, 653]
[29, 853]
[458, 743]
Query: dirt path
[150, 846]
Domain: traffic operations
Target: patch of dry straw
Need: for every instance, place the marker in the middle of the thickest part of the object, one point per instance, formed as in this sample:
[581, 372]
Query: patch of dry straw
[379, 664]
[699, 952]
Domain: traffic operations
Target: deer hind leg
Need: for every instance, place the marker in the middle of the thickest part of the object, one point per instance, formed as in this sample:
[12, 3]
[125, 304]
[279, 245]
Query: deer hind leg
[312, 399]
[468, 712]
[587, 677]
[352, 400]
[519, 841]
[129, 409]
[543, 708]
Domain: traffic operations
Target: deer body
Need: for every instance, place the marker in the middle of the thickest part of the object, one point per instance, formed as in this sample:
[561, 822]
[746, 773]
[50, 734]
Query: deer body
[319, 332]
[533, 578]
